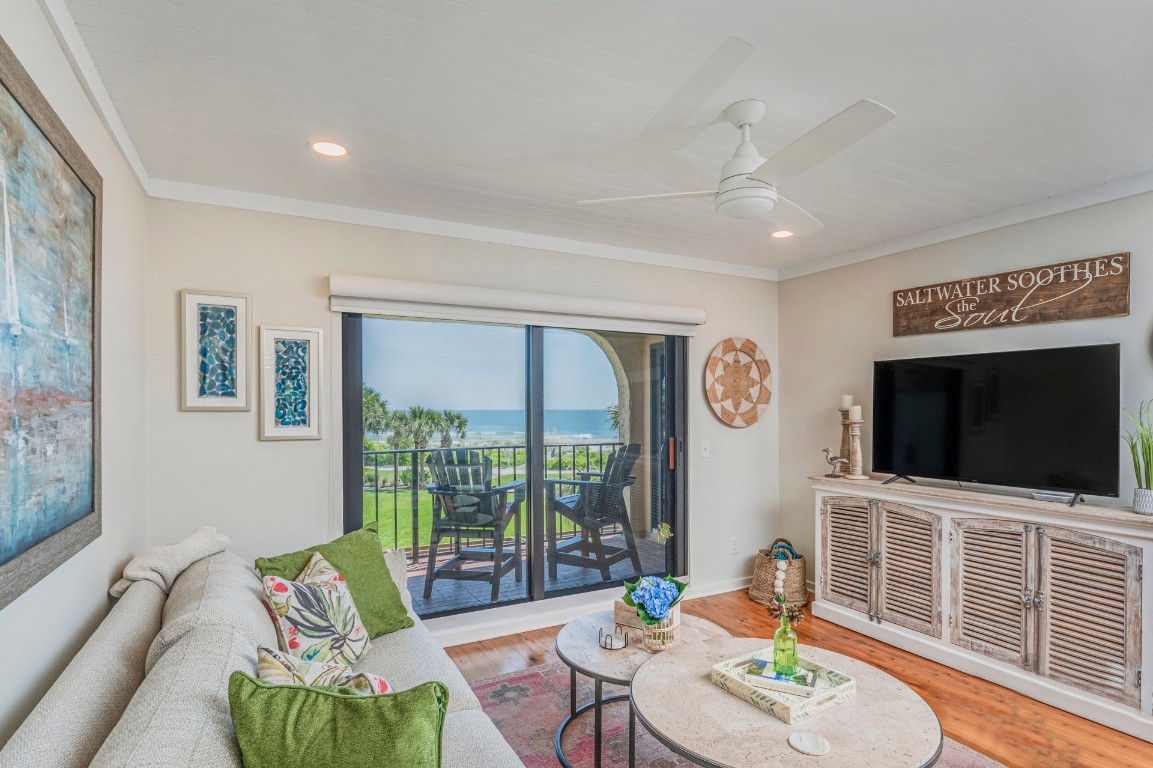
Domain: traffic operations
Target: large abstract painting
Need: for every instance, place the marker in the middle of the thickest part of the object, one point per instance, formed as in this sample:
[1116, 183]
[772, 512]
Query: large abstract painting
[50, 213]
[289, 383]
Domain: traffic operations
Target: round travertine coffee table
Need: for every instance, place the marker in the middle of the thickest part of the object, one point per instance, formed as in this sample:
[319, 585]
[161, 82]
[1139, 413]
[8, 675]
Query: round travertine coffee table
[886, 723]
[577, 646]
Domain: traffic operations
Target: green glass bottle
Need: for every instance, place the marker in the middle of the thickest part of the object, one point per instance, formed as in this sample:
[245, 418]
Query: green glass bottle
[785, 648]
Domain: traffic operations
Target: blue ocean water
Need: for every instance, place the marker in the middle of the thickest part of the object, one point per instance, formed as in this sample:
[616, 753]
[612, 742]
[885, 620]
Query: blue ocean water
[510, 425]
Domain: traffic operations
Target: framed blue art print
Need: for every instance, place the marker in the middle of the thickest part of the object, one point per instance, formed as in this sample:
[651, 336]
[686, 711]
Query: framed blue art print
[214, 351]
[290, 360]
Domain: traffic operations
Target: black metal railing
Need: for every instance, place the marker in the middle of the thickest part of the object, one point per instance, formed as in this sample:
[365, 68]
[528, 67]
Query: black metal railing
[395, 481]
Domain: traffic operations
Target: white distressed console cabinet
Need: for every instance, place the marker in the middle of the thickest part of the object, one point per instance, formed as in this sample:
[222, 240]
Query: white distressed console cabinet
[1039, 597]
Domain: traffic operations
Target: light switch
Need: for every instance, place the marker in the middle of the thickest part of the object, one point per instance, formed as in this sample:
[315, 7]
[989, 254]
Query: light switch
[706, 449]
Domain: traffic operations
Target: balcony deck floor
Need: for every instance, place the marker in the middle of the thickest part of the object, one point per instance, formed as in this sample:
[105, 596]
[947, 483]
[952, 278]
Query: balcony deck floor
[455, 595]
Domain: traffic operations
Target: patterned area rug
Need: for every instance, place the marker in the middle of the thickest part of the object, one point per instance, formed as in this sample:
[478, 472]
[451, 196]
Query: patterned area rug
[528, 706]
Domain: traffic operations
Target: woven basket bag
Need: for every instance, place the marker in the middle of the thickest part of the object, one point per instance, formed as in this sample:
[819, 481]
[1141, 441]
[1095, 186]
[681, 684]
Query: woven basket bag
[765, 572]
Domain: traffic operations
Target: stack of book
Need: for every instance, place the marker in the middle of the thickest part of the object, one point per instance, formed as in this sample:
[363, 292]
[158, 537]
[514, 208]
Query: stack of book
[793, 698]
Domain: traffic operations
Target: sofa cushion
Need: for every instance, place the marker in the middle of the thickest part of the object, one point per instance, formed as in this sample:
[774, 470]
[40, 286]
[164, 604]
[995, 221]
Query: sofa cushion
[412, 656]
[357, 556]
[314, 616]
[472, 741]
[221, 590]
[82, 707]
[397, 562]
[179, 716]
[280, 668]
[293, 726]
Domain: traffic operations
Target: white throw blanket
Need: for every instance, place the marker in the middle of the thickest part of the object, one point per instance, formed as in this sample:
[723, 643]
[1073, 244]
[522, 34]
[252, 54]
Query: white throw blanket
[163, 563]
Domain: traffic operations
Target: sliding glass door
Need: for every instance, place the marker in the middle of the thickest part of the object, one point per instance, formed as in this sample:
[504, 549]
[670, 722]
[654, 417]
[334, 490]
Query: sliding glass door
[513, 463]
[606, 443]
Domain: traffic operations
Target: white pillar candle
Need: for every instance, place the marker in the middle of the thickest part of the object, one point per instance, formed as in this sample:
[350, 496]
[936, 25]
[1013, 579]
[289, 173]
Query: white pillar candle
[846, 402]
[855, 413]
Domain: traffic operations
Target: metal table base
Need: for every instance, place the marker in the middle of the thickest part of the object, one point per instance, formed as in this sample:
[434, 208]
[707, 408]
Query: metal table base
[596, 705]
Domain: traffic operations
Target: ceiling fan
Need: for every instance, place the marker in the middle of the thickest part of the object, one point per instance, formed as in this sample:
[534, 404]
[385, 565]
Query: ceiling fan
[749, 182]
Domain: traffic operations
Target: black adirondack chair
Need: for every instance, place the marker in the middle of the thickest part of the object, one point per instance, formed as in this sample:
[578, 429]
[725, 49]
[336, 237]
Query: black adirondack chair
[466, 506]
[598, 502]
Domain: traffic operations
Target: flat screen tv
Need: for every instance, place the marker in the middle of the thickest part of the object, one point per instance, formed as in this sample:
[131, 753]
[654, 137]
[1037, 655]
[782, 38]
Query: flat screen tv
[1046, 419]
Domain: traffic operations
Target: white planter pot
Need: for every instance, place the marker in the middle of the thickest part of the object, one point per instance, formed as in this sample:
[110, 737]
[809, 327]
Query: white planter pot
[1143, 501]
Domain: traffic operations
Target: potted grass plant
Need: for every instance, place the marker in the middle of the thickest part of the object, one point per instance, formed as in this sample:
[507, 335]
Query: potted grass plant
[1140, 440]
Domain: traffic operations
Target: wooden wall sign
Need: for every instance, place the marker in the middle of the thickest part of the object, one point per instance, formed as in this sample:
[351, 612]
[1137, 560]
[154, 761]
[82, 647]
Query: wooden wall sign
[1073, 290]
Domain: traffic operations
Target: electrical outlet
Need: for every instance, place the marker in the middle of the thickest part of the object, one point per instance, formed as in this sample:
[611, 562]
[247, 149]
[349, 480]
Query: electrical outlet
[733, 546]
[706, 449]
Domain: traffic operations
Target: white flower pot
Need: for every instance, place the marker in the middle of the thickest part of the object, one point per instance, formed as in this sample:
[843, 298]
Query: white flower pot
[1143, 501]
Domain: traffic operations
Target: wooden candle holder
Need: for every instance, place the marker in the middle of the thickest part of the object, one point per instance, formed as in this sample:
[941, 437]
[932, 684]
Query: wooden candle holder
[840, 468]
[856, 461]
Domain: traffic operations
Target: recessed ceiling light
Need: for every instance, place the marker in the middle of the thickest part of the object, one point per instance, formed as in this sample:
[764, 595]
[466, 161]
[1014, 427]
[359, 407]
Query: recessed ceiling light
[782, 233]
[329, 148]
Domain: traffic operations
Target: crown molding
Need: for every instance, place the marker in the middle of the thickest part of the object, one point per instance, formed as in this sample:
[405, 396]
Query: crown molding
[254, 201]
[1082, 198]
[64, 27]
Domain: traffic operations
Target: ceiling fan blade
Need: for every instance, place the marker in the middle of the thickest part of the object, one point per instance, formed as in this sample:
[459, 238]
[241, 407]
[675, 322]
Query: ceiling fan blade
[700, 86]
[824, 141]
[669, 196]
[791, 217]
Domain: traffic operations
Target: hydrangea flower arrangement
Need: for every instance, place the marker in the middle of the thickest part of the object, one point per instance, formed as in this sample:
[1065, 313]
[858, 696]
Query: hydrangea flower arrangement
[653, 597]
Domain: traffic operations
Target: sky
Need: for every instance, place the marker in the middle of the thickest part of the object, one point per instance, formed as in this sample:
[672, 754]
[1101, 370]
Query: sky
[467, 366]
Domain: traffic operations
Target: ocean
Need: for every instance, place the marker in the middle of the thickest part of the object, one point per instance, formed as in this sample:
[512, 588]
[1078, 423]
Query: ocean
[590, 424]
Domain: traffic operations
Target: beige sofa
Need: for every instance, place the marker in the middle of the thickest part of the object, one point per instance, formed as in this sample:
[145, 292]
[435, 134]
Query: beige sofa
[150, 688]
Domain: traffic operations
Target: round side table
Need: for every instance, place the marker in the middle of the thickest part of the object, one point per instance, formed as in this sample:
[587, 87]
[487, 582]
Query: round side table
[578, 647]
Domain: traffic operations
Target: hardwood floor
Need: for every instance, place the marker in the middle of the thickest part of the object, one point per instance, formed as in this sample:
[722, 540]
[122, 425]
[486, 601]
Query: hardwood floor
[1004, 725]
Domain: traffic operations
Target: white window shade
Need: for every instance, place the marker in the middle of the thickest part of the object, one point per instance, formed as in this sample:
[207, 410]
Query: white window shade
[406, 298]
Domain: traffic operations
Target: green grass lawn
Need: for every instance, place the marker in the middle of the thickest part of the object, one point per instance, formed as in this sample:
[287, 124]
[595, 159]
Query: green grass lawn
[379, 506]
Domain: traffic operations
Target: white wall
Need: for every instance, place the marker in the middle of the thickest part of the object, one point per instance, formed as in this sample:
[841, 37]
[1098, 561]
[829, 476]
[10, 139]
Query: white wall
[835, 324]
[43, 628]
[209, 468]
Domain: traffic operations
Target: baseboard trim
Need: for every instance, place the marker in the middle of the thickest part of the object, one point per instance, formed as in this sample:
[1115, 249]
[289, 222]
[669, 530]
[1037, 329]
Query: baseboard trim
[526, 617]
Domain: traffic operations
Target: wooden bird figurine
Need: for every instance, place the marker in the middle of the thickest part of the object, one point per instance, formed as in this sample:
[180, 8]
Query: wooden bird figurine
[837, 463]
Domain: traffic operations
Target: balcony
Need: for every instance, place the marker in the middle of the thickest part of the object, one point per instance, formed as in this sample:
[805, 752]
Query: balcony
[397, 499]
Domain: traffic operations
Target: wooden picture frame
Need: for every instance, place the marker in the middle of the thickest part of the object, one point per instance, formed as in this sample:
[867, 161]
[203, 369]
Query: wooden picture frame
[214, 350]
[50, 352]
[291, 360]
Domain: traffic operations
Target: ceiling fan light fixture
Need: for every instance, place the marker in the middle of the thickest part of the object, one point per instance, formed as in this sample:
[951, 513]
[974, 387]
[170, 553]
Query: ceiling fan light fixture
[746, 208]
[329, 148]
[781, 233]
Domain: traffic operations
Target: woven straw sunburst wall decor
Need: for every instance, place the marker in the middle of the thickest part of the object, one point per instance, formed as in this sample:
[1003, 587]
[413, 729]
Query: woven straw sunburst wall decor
[738, 382]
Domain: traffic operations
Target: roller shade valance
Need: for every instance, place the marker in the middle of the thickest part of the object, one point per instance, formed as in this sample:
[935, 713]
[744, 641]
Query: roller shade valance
[407, 298]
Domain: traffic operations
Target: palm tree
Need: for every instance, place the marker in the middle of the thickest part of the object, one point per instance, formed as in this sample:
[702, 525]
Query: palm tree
[422, 425]
[397, 424]
[450, 422]
[614, 415]
[459, 423]
[375, 411]
[444, 428]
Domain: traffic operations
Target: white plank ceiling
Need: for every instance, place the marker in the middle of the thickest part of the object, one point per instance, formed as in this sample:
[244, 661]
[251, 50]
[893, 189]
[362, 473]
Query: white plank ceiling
[503, 113]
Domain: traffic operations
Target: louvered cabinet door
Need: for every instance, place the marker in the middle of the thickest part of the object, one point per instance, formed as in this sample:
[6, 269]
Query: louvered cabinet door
[846, 540]
[1089, 613]
[909, 577]
[992, 589]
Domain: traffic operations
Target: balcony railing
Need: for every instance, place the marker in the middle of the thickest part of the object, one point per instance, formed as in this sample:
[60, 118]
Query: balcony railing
[395, 481]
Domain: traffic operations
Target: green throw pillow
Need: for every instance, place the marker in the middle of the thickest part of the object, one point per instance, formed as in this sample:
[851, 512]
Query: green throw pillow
[292, 726]
[360, 560]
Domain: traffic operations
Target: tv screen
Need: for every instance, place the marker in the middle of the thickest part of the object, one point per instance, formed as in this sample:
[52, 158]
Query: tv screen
[1046, 419]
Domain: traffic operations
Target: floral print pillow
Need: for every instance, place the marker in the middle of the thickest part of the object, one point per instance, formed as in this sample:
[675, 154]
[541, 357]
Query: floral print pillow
[315, 616]
[282, 669]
